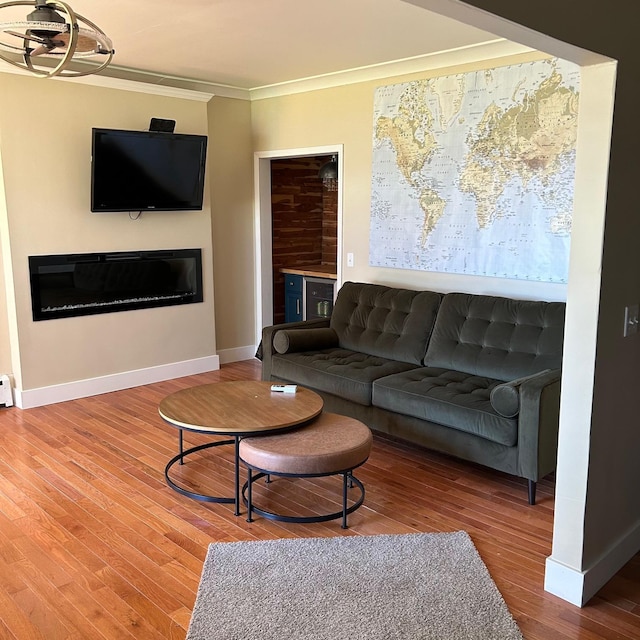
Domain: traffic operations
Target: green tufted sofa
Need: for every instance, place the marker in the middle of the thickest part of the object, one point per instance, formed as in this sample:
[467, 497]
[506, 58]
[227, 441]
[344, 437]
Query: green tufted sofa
[473, 376]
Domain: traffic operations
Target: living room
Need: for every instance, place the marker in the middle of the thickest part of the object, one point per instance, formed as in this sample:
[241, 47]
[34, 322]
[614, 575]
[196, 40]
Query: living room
[45, 133]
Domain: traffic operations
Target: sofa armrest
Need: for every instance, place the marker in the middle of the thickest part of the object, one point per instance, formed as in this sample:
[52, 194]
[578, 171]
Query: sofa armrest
[268, 335]
[538, 424]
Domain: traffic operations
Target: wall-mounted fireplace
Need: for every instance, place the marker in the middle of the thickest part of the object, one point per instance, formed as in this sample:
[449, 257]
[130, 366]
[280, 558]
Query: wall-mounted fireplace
[82, 284]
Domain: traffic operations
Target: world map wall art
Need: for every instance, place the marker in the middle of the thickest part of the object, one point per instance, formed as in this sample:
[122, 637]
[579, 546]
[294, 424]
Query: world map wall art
[474, 173]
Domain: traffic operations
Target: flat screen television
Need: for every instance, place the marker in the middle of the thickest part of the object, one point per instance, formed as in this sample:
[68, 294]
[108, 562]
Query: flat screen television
[146, 171]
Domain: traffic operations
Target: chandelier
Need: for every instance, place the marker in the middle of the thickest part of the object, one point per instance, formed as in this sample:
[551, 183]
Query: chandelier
[54, 31]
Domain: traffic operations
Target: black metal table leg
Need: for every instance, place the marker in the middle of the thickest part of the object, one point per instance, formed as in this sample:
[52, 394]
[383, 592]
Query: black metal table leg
[344, 498]
[249, 485]
[237, 475]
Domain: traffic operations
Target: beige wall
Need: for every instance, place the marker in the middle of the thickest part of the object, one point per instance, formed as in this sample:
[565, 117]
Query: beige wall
[5, 343]
[45, 129]
[344, 115]
[231, 185]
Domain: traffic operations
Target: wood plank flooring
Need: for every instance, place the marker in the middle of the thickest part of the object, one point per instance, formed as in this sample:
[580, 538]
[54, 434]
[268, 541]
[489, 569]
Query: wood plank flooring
[94, 545]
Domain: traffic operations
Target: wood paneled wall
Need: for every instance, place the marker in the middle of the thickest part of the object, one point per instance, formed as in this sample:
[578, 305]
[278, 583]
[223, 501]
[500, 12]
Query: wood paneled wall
[329, 227]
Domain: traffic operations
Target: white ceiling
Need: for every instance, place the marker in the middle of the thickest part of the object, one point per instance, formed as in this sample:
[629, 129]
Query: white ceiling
[256, 43]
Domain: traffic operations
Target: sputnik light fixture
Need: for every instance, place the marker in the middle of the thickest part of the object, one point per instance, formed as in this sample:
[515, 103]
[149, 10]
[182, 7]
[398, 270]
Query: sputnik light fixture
[52, 30]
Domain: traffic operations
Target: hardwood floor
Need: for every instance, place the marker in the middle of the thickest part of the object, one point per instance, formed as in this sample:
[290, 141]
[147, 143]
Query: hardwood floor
[93, 544]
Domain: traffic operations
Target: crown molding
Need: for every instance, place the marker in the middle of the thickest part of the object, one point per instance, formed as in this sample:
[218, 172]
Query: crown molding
[124, 84]
[170, 82]
[490, 50]
[141, 86]
[127, 79]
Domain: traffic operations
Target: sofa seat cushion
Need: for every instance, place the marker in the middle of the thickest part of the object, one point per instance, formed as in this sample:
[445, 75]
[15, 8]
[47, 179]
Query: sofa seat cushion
[450, 398]
[344, 373]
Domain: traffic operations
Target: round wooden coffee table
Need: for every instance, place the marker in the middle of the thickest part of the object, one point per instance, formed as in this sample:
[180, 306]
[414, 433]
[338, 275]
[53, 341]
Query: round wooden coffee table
[237, 409]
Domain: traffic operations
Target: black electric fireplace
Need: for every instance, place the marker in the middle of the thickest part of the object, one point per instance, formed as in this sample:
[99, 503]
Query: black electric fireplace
[83, 284]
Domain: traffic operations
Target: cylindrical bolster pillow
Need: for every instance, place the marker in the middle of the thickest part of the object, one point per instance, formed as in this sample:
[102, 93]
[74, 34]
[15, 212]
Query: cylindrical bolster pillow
[505, 399]
[294, 340]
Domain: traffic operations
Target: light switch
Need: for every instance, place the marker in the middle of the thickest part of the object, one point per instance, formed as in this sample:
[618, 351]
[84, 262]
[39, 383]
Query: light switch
[349, 259]
[630, 320]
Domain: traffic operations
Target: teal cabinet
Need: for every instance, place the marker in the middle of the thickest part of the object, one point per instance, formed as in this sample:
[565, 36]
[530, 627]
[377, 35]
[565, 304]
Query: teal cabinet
[292, 297]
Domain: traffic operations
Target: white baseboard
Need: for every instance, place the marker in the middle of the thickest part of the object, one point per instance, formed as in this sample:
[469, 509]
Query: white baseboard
[563, 581]
[237, 354]
[30, 398]
[578, 587]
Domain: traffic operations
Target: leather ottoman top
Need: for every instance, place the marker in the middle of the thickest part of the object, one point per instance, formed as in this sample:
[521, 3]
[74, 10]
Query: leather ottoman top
[330, 444]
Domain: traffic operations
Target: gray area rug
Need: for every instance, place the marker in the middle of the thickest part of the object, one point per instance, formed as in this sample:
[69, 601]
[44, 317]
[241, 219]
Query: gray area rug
[414, 586]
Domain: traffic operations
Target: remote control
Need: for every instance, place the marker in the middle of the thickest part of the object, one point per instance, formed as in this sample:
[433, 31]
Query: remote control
[284, 388]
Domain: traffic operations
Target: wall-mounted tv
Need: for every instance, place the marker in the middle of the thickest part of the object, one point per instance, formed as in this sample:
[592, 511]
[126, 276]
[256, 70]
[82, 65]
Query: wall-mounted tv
[146, 171]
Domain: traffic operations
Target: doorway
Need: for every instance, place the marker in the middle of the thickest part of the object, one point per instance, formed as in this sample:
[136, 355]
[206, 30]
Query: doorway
[300, 198]
[304, 216]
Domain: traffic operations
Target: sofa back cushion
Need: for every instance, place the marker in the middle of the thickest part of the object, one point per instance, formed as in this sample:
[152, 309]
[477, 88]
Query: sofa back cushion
[383, 321]
[499, 338]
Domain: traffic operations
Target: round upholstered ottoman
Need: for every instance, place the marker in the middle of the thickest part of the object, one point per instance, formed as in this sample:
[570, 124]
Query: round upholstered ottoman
[330, 445]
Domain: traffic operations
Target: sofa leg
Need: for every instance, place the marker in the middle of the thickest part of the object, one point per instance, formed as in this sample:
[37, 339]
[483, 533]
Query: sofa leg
[532, 491]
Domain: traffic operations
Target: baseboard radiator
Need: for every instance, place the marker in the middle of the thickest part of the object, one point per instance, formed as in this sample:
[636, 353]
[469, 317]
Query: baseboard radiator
[6, 398]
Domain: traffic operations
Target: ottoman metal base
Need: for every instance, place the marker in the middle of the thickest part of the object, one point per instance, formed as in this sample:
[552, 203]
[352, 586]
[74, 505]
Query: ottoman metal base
[348, 480]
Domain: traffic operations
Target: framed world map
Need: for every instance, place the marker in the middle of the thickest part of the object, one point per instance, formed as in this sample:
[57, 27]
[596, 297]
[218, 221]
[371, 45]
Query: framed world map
[474, 173]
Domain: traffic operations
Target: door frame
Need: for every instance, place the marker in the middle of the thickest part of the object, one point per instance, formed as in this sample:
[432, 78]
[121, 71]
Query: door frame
[262, 224]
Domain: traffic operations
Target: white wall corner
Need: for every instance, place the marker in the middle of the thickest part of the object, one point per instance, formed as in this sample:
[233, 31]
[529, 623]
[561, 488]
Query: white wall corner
[30, 398]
